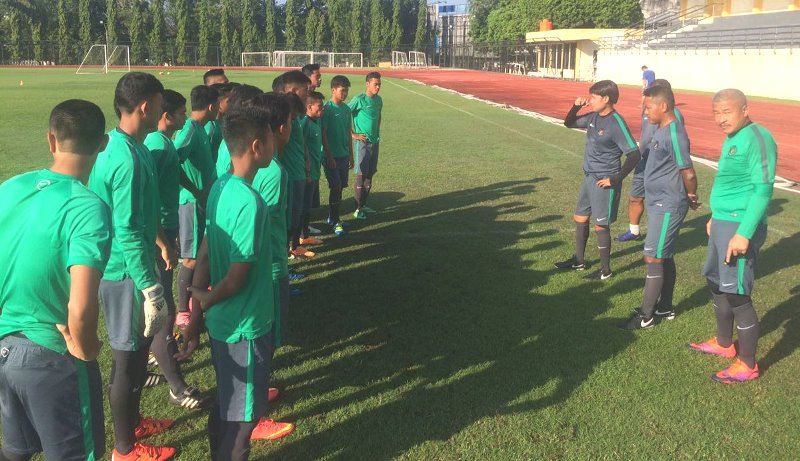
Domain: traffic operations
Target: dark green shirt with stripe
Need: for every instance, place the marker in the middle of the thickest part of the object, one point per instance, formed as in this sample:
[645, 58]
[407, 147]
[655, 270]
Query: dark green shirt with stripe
[743, 186]
[668, 155]
[608, 138]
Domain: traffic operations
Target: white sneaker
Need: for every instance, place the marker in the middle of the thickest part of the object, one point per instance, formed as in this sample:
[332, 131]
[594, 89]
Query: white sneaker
[313, 230]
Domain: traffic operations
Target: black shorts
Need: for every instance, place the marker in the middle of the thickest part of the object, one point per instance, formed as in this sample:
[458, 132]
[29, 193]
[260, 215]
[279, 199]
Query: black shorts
[337, 177]
[243, 373]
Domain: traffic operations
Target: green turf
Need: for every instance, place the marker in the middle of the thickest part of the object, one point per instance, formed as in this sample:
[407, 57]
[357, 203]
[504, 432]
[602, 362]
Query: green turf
[437, 330]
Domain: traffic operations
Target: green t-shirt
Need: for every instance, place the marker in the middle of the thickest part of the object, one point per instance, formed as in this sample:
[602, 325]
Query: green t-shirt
[49, 222]
[168, 168]
[214, 132]
[223, 159]
[743, 186]
[271, 183]
[237, 230]
[294, 154]
[312, 132]
[124, 177]
[194, 150]
[367, 116]
[337, 121]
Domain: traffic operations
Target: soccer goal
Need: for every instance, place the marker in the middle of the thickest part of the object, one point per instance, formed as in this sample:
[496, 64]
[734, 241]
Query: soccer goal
[399, 59]
[102, 59]
[256, 59]
[298, 58]
[417, 59]
[346, 60]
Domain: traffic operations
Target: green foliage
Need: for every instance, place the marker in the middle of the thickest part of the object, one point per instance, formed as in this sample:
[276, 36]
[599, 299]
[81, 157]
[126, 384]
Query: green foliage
[111, 22]
[270, 19]
[421, 34]
[62, 33]
[85, 24]
[357, 8]
[36, 37]
[251, 40]
[396, 34]
[479, 15]
[182, 34]
[292, 30]
[157, 32]
[337, 22]
[377, 31]
[315, 29]
[137, 33]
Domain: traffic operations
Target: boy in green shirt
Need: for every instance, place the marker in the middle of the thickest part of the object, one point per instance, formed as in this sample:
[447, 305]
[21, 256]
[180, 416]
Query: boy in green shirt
[214, 126]
[337, 132]
[366, 109]
[234, 260]
[312, 133]
[50, 384]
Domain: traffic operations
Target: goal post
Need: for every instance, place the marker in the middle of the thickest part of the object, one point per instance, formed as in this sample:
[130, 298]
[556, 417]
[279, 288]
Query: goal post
[283, 58]
[256, 59]
[399, 59]
[102, 59]
[346, 60]
[417, 59]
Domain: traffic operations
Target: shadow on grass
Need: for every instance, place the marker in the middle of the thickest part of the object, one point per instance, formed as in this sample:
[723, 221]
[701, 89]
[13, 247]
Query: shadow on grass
[436, 333]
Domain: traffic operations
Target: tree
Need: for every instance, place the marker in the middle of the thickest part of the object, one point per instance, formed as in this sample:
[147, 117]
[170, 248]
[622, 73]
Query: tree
[311, 29]
[357, 26]
[250, 36]
[157, 32]
[203, 30]
[111, 22]
[337, 10]
[421, 35]
[479, 13]
[84, 24]
[62, 34]
[182, 34]
[270, 19]
[377, 27]
[18, 35]
[136, 29]
[292, 29]
[396, 34]
[36, 39]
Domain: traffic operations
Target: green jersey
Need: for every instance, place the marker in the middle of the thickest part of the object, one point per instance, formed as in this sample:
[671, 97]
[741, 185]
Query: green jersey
[743, 185]
[237, 230]
[168, 168]
[294, 154]
[367, 116]
[124, 177]
[272, 183]
[214, 132]
[223, 159]
[194, 151]
[337, 120]
[312, 132]
[49, 222]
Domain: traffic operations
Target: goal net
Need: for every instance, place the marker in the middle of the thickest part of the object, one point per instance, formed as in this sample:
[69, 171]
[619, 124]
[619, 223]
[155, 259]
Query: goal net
[102, 59]
[417, 59]
[299, 58]
[256, 59]
[399, 59]
[346, 60]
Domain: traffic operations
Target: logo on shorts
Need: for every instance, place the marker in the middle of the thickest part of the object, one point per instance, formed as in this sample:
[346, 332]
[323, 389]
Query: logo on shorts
[655, 145]
[732, 151]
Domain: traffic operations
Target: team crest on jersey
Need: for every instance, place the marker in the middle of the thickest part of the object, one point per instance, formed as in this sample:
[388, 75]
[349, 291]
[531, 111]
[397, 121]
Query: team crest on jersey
[601, 132]
[732, 151]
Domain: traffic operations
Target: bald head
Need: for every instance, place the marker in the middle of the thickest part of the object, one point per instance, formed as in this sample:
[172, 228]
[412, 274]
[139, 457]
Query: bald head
[731, 94]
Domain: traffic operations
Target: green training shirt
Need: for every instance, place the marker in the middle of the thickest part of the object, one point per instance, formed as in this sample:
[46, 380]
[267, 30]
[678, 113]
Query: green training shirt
[214, 132]
[124, 177]
[238, 232]
[294, 154]
[223, 159]
[49, 222]
[194, 150]
[337, 121]
[272, 183]
[312, 132]
[745, 177]
[168, 168]
[367, 116]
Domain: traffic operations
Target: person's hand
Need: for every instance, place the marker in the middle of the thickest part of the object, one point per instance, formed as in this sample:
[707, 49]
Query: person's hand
[73, 349]
[191, 336]
[693, 203]
[331, 163]
[604, 183]
[155, 310]
[708, 228]
[581, 102]
[170, 257]
[200, 298]
[359, 137]
[737, 246]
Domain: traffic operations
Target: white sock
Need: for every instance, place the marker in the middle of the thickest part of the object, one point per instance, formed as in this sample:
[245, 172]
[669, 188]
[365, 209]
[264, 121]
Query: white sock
[634, 229]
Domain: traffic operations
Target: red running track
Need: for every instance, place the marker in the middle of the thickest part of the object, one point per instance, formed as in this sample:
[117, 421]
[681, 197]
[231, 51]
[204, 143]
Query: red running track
[555, 97]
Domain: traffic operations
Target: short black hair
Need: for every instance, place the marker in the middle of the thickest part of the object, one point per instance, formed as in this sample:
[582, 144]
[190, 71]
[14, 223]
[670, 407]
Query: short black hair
[172, 101]
[293, 78]
[224, 89]
[277, 84]
[316, 96]
[309, 69]
[213, 73]
[203, 96]
[242, 93]
[606, 88]
[246, 121]
[372, 75]
[134, 88]
[283, 109]
[297, 105]
[79, 126]
[663, 93]
[340, 81]
[662, 82]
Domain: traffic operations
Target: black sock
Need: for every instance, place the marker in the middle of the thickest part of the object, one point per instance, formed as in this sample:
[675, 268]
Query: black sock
[165, 347]
[724, 314]
[128, 373]
[604, 247]
[367, 186]
[748, 330]
[334, 202]
[358, 190]
[670, 275]
[652, 288]
[228, 440]
[184, 282]
[581, 237]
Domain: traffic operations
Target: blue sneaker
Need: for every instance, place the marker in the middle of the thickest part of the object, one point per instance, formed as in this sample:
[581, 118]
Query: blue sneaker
[338, 229]
[294, 276]
[627, 237]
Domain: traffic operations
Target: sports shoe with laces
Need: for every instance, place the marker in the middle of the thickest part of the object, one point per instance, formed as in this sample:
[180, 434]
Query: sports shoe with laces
[151, 359]
[739, 372]
[154, 379]
[571, 263]
[313, 230]
[358, 214]
[302, 251]
[272, 394]
[310, 241]
[665, 313]
[367, 209]
[142, 452]
[294, 276]
[599, 275]
[712, 347]
[627, 236]
[338, 229]
[191, 398]
[637, 321]
[269, 429]
[151, 426]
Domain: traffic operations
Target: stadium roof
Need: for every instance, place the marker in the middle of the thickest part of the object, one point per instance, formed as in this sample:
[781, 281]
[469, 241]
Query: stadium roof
[572, 35]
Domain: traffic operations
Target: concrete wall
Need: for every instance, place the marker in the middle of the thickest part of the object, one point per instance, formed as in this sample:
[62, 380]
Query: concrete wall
[768, 73]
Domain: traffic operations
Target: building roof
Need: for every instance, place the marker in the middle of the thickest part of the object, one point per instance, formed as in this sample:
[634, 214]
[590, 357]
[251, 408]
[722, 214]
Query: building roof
[572, 35]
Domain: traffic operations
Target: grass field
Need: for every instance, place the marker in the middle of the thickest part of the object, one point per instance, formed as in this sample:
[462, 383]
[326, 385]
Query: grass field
[437, 330]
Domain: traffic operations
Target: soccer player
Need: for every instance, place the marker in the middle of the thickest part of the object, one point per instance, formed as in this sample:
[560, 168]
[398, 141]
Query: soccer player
[608, 138]
[238, 92]
[738, 227]
[214, 76]
[165, 157]
[648, 77]
[56, 239]
[312, 134]
[312, 71]
[296, 160]
[125, 178]
[197, 164]
[671, 189]
[337, 131]
[636, 199]
[366, 109]
[214, 126]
